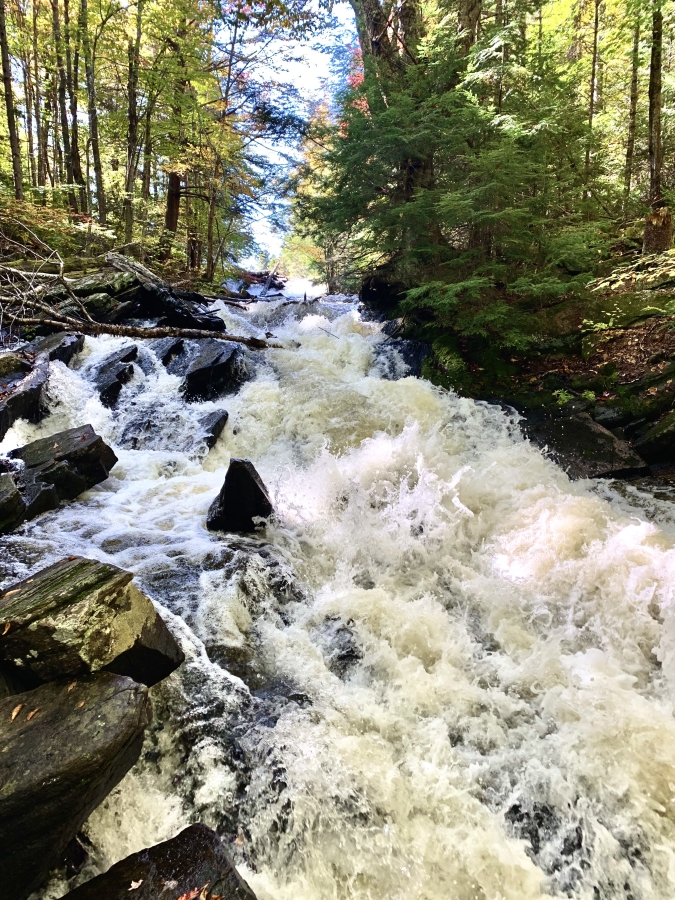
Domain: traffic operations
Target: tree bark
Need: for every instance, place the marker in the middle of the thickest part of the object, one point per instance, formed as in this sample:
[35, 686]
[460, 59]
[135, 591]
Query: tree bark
[655, 149]
[172, 214]
[134, 50]
[92, 112]
[28, 98]
[469, 13]
[72, 83]
[632, 113]
[61, 94]
[14, 146]
[40, 128]
[594, 72]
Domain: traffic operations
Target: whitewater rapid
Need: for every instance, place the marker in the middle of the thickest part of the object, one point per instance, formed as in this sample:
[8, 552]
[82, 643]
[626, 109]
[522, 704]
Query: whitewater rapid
[452, 670]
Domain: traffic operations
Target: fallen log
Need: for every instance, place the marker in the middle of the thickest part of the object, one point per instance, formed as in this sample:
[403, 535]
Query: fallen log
[93, 329]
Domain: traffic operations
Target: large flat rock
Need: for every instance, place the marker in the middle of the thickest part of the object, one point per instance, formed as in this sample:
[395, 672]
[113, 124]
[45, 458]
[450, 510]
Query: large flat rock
[63, 747]
[72, 460]
[80, 616]
[658, 444]
[583, 447]
[194, 864]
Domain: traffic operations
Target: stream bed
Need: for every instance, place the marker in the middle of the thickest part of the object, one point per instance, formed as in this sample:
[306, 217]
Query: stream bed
[442, 671]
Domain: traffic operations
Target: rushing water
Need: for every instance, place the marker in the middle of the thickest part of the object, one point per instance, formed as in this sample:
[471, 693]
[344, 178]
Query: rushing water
[450, 671]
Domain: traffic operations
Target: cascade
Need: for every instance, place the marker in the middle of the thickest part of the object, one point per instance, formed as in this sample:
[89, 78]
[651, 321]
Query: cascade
[442, 670]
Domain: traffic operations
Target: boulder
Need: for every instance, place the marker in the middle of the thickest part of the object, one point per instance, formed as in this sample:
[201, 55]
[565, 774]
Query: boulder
[72, 461]
[114, 372]
[657, 445]
[192, 865]
[108, 281]
[242, 498]
[583, 447]
[64, 747]
[166, 349]
[80, 616]
[213, 424]
[21, 383]
[209, 368]
[63, 345]
[12, 504]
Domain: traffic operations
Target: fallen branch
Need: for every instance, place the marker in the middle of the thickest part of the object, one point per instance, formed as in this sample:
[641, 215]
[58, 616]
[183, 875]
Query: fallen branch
[93, 329]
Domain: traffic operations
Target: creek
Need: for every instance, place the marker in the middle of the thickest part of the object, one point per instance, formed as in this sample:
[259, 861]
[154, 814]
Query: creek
[442, 672]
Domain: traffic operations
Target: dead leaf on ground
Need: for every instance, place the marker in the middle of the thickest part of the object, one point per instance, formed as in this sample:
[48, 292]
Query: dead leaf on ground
[16, 711]
[31, 714]
[135, 885]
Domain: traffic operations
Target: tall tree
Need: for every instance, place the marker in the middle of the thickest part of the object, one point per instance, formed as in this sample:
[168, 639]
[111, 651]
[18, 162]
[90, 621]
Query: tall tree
[14, 146]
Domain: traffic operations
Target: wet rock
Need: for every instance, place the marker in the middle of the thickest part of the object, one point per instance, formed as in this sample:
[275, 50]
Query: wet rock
[72, 460]
[12, 504]
[166, 349]
[80, 616]
[657, 445]
[583, 447]
[192, 864]
[400, 358]
[64, 747]
[63, 345]
[114, 372]
[209, 368]
[242, 498]
[21, 383]
[213, 425]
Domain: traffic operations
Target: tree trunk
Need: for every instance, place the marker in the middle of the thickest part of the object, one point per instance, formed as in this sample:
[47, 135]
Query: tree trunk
[171, 215]
[61, 93]
[14, 146]
[655, 150]
[134, 50]
[632, 113]
[92, 112]
[658, 235]
[28, 97]
[72, 83]
[594, 72]
[469, 13]
[213, 196]
[40, 129]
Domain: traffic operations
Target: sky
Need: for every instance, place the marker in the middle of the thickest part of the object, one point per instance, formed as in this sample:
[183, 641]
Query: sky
[315, 76]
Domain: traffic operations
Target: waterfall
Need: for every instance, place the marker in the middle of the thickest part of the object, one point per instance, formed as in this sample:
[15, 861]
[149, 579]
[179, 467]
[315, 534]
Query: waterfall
[442, 672]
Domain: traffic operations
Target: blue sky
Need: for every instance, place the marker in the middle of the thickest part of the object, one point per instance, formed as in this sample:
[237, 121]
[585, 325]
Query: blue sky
[316, 76]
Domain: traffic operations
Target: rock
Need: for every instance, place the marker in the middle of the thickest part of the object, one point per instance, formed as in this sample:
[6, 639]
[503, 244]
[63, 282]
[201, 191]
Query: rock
[582, 447]
[114, 372]
[209, 368]
[400, 358]
[63, 345]
[64, 747]
[213, 425]
[166, 349]
[657, 445]
[80, 616]
[186, 309]
[242, 498]
[12, 504]
[194, 864]
[610, 416]
[72, 460]
[21, 383]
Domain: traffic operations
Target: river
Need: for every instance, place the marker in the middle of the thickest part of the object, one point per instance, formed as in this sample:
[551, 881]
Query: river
[451, 670]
